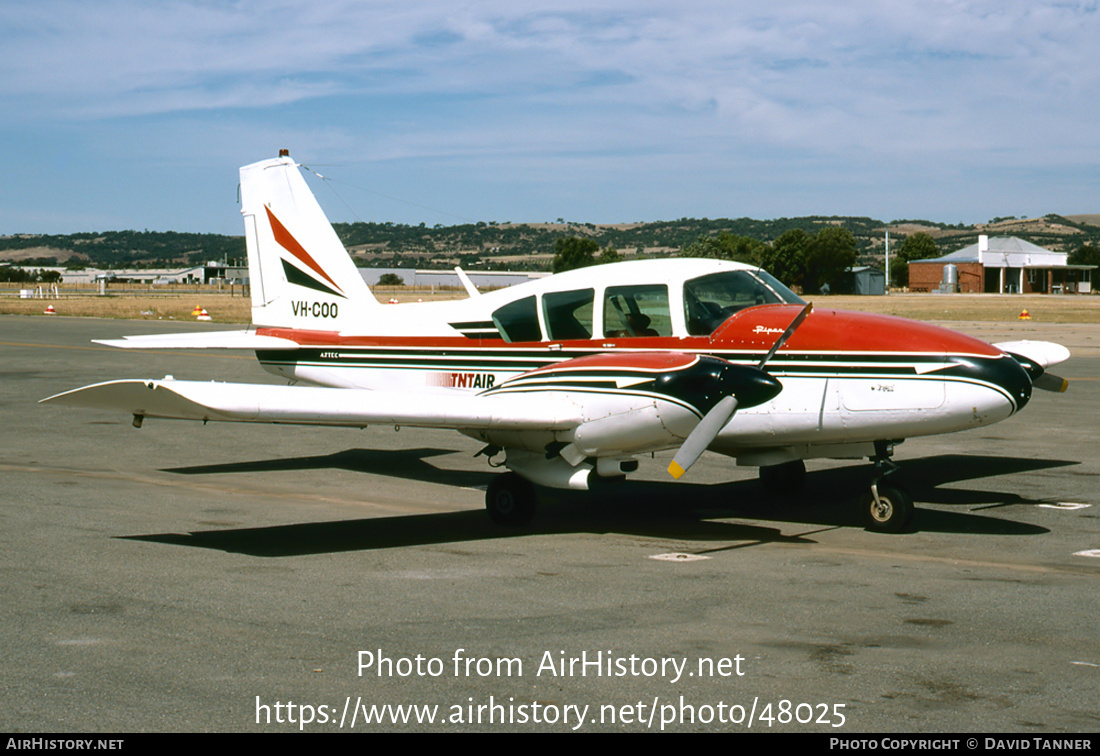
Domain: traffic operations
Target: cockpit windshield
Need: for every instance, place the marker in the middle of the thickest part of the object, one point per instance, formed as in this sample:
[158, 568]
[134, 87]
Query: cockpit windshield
[710, 300]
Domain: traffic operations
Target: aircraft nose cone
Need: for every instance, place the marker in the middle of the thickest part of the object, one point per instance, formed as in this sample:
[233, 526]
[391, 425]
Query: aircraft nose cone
[1003, 373]
[1016, 380]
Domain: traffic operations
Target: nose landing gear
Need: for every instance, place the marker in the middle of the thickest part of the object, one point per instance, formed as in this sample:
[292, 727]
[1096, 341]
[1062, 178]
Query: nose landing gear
[886, 508]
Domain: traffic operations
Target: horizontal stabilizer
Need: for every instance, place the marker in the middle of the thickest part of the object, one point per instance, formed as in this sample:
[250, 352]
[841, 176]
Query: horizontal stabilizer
[208, 340]
[302, 405]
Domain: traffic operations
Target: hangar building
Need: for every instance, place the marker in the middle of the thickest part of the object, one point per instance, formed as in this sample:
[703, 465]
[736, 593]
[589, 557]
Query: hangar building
[1003, 265]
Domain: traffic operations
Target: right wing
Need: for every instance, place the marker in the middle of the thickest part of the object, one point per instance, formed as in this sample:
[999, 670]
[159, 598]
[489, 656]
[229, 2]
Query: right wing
[557, 423]
[211, 340]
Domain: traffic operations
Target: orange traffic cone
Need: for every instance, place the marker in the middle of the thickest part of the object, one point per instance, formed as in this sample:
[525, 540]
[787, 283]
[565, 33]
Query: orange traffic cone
[1024, 316]
[196, 312]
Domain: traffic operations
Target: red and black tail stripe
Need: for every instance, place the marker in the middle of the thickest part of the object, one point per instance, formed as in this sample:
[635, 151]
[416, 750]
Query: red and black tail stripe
[294, 274]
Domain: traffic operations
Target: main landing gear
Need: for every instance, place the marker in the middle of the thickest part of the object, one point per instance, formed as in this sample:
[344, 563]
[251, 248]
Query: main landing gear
[510, 500]
[886, 508]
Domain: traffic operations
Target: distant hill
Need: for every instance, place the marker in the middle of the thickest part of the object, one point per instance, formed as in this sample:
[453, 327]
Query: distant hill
[120, 249]
[522, 245]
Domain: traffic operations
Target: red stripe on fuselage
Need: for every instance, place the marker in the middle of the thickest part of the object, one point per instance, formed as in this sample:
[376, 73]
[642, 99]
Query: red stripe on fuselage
[753, 330]
[657, 362]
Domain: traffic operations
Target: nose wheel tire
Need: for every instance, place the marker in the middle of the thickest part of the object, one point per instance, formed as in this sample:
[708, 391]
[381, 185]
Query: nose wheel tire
[887, 509]
[510, 500]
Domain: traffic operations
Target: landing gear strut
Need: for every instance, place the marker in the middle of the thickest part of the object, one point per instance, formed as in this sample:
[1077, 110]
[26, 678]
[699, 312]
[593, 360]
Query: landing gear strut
[510, 500]
[886, 508]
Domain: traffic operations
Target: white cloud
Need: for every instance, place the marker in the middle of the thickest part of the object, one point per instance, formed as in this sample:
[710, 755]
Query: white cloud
[694, 86]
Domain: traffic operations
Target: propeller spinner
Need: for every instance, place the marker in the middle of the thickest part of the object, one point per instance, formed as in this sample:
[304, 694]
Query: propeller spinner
[1040, 378]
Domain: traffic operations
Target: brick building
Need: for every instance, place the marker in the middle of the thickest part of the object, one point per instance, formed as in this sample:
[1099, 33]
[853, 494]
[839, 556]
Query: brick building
[1003, 265]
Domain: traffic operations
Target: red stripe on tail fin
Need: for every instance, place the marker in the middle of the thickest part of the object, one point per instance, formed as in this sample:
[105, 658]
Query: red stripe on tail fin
[287, 241]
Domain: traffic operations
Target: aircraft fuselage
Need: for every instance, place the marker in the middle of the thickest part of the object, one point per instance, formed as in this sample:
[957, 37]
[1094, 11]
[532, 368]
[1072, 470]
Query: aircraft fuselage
[848, 378]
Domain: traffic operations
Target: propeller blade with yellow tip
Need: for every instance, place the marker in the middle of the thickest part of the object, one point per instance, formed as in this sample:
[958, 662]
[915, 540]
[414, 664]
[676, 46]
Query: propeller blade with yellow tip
[702, 436]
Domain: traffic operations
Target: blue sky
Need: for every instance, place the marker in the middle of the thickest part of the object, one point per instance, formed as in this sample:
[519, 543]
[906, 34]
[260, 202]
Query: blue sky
[121, 114]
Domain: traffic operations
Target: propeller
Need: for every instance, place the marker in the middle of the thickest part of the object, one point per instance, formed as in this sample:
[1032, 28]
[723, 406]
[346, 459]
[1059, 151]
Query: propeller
[700, 438]
[752, 384]
[1051, 382]
[787, 333]
[1040, 378]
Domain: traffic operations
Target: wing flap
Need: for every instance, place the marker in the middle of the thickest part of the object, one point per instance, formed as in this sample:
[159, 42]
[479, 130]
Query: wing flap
[263, 403]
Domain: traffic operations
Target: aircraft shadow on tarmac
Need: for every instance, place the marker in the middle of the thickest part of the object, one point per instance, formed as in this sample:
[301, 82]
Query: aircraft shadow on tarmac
[671, 511]
[410, 464]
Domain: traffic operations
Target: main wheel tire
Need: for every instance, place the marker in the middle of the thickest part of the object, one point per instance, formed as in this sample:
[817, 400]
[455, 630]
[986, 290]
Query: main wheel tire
[510, 500]
[783, 480]
[891, 513]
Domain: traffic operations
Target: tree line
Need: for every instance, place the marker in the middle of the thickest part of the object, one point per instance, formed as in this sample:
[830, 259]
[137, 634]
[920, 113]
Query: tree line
[12, 274]
[804, 252]
[812, 262]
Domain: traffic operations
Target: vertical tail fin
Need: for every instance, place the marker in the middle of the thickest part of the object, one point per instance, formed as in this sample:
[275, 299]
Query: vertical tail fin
[300, 274]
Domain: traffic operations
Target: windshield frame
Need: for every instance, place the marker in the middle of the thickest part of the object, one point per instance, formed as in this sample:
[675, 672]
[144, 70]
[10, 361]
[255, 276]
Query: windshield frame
[703, 316]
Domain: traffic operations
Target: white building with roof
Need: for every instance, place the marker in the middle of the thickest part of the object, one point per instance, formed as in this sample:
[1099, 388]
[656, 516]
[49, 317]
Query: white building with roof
[1005, 265]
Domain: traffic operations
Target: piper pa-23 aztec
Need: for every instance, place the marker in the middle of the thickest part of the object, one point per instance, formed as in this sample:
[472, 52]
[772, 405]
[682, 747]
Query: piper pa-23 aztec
[573, 376]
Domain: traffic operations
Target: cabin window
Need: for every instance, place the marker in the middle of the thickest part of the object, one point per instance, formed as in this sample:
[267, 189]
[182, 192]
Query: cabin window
[710, 300]
[636, 311]
[518, 321]
[568, 314]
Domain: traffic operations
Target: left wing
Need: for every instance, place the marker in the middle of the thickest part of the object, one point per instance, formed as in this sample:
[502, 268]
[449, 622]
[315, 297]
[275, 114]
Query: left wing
[305, 405]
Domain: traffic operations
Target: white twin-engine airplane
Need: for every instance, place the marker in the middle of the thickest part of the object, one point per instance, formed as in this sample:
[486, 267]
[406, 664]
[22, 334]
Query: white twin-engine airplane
[573, 376]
